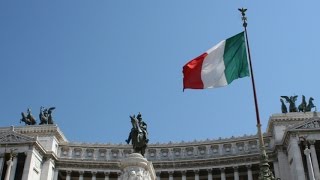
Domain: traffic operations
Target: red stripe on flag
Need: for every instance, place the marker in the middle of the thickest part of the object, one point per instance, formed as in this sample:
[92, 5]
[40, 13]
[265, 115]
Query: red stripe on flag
[192, 73]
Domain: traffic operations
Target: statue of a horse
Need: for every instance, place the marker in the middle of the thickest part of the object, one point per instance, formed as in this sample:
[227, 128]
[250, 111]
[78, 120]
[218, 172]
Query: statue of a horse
[28, 119]
[310, 105]
[46, 115]
[137, 137]
[302, 107]
[291, 100]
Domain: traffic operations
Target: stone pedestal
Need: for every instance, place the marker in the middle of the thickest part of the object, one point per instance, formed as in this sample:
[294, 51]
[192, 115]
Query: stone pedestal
[136, 167]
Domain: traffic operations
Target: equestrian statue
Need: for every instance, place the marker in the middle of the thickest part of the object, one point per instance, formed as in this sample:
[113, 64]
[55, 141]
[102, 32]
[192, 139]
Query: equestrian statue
[138, 134]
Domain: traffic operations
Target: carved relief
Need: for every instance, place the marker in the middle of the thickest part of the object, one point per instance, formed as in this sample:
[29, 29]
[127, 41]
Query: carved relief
[90, 153]
[227, 148]
[189, 151]
[102, 153]
[164, 152]
[240, 147]
[13, 137]
[215, 149]
[64, 151]
[114, 153]
[152, 152]
[310, 125]
[77, 152]
[252, 145]
[177, 152]
[202, 150]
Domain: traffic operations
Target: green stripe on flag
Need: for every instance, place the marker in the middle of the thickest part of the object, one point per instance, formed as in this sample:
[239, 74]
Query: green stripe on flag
[235, 58]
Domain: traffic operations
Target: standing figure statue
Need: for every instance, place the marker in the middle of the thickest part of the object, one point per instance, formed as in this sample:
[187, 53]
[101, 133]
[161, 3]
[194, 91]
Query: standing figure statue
[292, 100]
[28, 119]
[45, 115]
[138, 134]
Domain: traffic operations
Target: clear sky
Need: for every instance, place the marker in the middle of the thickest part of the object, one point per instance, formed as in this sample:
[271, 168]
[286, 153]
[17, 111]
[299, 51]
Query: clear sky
[100, 61]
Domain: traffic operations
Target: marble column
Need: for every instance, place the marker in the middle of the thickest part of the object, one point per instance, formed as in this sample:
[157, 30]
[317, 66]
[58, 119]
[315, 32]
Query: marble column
[81, 175]
[307, 152]
[276, 169]
[314, 160]
[184, 175]
[28, 169]
[9, 166]
[158, 175]
[284, 166]
[106, 175]
[94, 175]
[209, 174]
[223, 174]
[236, 173]
[68, 175]
[249, 172]
[196, 175]
[56, 173]
[1, 165]
[14, 167]
[297, 169]
[119, 175]
[170, 175]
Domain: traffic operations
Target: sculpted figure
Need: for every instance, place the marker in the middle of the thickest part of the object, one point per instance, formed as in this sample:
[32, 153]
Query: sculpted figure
[302, 107]
[138, 134]
[28, 119]
[310, 105]
[291, 100]
[283, 107]
[45, 115]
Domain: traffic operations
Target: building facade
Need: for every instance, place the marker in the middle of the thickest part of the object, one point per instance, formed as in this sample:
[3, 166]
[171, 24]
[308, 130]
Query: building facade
[42, 152]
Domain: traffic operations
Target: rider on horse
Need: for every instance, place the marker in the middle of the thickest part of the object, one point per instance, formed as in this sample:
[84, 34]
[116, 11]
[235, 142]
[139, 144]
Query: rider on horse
[143, 127]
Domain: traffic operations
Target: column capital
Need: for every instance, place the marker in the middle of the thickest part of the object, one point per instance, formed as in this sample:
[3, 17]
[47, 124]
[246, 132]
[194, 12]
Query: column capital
[68, 172]
[222, 169]
[170, 173]
[81, 172]
[196, 171]
[312, 141]
[209, 170]
[249, 166]
[107, 173]
[158, 173]
[235, 168]
[183, 172]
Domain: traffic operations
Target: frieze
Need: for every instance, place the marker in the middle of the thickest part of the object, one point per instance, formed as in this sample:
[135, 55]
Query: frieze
[13, 137]
[315, 124]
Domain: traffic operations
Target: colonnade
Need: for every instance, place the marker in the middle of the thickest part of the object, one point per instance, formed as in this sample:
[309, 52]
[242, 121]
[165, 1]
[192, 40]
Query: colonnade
[169, 174]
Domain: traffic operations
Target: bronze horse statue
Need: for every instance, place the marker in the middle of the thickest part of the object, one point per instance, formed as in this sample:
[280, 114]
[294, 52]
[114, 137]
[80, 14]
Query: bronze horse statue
[137, 137]
[310, 105]
[28, 119]
[45, 115]
[303, 106]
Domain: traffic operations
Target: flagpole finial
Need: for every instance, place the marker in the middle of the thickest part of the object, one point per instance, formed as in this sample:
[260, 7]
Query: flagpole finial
[244, 18]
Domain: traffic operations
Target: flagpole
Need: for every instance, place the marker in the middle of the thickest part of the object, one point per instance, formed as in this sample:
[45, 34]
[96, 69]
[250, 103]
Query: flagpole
[265, 172]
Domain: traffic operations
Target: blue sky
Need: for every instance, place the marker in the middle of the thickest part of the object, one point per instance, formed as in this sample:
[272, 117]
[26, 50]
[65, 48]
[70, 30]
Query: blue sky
[100, 61]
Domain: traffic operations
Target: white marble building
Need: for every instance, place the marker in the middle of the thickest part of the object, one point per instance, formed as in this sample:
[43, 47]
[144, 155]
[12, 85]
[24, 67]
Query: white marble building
[42, 152]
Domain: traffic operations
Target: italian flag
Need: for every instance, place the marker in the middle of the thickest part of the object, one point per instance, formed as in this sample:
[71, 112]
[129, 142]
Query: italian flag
[218, 66]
